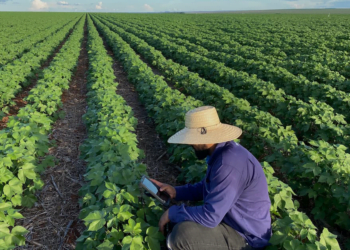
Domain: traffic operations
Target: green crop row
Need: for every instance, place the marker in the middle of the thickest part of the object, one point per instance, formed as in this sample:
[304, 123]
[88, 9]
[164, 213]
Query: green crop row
[17, 26]
[292, 229]
[335, 92]
[338, 61]
[24, 143]
[314, 120]
[287, 43]
[281, 74]
[13, 51]
[17, 74]
[300, 34]
[114, 216]
[312, 69]
[267, 138]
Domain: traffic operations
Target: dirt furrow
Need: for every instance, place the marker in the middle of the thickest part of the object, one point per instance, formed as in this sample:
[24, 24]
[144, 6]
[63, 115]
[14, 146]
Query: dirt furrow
[156, 157]
[53, 222]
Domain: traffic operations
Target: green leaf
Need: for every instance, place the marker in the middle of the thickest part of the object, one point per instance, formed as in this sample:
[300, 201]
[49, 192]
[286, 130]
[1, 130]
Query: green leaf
[106, 245]
[21, 176]
[112, 222]
[124, 213]
[311, 247]
[13, 187]
[329, 240]
[112, 187]
[144, 225]
[89, 198]
[17, 236]
[5, 206]
[5, 175]
[140, 213]
[7, 161]
[303, 233]
[132, 227]
[293, 245]
[18, 230]
[278, 237]
[4, 230]
[28, 170]
[130, 198]
[28, 200]
[109, 194]
[154, 232]
[117, 234]
[283, 223]
[95, 220]
[132, 243]
[153, 238]
[153, 243]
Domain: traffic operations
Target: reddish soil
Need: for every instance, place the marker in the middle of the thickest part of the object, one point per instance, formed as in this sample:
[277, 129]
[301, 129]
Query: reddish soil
[156, 157]
[53, 222]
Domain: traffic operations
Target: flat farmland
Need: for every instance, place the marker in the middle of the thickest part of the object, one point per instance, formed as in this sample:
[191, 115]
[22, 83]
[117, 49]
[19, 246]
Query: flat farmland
[88, 101]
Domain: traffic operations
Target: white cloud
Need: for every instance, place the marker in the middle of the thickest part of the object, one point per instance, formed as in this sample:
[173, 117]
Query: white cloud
[99, 6]
[296, 5]
[301, 4]
[62, 3]
[39, 5]
[147, 7]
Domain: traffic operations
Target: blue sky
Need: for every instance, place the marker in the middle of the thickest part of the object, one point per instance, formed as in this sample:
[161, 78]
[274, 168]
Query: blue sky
[159, 5]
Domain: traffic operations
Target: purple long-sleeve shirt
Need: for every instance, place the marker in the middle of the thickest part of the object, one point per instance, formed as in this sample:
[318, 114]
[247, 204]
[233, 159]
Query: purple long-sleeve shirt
[234, 191]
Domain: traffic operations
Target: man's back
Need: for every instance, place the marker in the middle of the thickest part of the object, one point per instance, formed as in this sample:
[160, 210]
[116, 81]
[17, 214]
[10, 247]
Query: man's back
[249, 212]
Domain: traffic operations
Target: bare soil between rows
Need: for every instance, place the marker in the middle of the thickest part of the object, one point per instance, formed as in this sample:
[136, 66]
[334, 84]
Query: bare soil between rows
[156, 156]
[53, 222]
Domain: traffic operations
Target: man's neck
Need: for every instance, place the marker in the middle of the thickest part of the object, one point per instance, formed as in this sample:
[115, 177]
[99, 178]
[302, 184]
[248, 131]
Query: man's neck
[212, 148]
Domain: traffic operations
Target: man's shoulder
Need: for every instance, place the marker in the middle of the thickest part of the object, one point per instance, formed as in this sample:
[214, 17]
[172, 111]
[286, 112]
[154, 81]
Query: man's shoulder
[233, 153]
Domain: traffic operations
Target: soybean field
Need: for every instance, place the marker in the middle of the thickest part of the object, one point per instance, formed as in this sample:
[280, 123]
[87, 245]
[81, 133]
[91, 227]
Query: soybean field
[88, 101]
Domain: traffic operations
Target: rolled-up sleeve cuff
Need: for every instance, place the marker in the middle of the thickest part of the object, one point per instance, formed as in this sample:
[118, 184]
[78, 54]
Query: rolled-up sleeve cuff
[173, 215]
[181, 194]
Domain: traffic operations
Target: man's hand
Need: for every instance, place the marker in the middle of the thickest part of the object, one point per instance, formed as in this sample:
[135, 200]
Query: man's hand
[165, 188]
[163, 221]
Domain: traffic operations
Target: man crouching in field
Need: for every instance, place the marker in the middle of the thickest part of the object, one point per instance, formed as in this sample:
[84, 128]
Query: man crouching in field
[236, 209]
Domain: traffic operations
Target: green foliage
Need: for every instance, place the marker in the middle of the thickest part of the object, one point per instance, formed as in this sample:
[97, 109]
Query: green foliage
[41, 28]
[112, 211]
[314, 120]
[168, 107]
[292, 74]
[15, 75]
[24, 143]
[265, 137]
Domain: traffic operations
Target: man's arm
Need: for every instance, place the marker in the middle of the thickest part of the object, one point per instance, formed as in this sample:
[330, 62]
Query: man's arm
[226, 185]
[190, 192]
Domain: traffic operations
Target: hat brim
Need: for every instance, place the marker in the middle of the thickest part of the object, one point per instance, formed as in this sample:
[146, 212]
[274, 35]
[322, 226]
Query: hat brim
[221, 133]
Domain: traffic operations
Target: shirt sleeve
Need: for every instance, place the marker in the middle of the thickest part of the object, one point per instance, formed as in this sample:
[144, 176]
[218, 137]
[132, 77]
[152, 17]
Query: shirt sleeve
[190, 192]
[226, 184]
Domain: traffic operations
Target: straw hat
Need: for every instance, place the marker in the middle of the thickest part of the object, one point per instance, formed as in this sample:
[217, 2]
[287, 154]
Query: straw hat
[203, 126]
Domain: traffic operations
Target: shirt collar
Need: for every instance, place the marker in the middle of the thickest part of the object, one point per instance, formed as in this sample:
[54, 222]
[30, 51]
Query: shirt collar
[210, 159]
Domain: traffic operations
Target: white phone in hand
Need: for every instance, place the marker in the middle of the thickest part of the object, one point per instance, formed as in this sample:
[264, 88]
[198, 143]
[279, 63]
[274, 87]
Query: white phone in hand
[153, 190]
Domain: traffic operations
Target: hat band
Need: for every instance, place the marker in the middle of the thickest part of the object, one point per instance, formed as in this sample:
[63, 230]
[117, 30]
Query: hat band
[204, 130]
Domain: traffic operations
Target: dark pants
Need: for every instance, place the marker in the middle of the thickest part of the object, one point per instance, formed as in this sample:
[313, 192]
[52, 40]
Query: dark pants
[189, 235]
